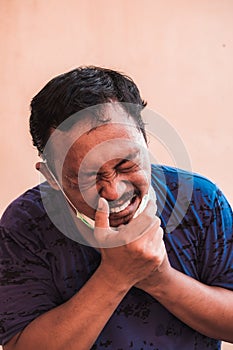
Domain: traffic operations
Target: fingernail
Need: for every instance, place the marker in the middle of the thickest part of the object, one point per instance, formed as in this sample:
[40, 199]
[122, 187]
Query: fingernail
[101, 203]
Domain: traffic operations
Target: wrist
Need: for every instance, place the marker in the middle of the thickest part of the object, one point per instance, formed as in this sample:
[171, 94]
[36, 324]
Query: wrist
[159, 282]
[114, 280]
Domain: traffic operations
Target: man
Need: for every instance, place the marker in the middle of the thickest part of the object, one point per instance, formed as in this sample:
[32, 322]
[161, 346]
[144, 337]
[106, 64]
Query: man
[86, 263]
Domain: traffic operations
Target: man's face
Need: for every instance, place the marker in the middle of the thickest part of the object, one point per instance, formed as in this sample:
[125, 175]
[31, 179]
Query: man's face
[110, 160]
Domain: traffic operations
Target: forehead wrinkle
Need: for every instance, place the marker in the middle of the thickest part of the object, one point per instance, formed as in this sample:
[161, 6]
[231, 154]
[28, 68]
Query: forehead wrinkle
[89, 140]
[98, 135]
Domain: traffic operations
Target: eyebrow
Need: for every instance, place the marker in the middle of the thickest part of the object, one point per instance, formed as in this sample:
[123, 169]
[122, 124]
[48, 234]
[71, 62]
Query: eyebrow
[129, 157]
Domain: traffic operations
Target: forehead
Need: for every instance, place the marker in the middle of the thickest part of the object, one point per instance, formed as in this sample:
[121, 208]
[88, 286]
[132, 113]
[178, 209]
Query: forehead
[105, 143]
[108, 115]
[115, 130]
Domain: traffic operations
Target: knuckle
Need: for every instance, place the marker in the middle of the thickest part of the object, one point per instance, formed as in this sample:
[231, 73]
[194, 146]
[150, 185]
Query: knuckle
[160, 233]
[157, 261]
[148, 217]
[158, 220]
[139, 251]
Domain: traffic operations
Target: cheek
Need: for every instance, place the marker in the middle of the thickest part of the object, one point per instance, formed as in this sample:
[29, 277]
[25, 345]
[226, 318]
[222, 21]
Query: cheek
[141, 179]
[86, 200]
[145, 170]
[72, 190]
[144, 165]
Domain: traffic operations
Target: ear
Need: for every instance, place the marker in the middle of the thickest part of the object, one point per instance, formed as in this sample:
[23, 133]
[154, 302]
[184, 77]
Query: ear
[43, 169]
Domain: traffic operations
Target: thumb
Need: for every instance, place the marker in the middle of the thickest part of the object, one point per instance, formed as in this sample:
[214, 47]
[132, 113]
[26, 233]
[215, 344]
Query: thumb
[102, 214]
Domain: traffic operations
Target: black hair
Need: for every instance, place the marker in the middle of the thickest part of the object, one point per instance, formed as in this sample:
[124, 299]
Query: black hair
[76, 90]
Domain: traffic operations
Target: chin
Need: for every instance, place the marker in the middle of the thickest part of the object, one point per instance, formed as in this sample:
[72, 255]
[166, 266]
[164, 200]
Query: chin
[121, 221]
[126, 215]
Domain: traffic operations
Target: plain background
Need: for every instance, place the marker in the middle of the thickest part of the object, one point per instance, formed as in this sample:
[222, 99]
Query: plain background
[179, 53]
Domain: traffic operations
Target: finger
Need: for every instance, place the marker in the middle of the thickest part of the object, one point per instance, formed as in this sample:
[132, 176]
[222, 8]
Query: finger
[137, 229]
[156, 236]
[152, 231]
[146, 218]
[102, 214]
[151, 208]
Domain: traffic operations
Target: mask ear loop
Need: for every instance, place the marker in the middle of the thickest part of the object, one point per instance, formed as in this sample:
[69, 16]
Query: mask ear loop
[78, 214]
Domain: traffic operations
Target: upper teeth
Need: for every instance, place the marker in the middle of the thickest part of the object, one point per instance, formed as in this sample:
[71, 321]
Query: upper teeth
[122, 207]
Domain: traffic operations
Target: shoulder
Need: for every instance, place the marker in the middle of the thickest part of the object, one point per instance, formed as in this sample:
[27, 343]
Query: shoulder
[188, 198]
[175, 179]
[27, 207]
[26, 222]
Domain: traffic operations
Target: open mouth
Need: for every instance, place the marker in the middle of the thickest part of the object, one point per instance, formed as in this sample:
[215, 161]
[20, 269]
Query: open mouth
[118, 209]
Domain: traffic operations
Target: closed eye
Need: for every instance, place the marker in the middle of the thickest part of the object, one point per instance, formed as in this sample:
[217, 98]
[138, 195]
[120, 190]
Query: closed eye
[128, 167]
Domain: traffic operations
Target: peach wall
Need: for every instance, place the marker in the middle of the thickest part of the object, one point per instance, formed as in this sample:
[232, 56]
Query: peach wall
[179, 52]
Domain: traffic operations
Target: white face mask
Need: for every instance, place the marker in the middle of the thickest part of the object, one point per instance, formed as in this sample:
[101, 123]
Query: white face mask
[91, 223]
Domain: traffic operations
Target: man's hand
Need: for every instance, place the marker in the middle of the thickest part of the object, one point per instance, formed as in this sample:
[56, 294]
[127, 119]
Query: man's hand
[135, 251]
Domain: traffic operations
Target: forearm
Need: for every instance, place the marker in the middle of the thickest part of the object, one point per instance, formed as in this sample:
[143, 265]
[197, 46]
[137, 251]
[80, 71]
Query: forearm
[75, 324]
[206, 309]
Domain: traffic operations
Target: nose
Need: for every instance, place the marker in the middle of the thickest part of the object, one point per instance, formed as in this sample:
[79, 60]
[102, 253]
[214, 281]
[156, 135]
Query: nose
[112, 190]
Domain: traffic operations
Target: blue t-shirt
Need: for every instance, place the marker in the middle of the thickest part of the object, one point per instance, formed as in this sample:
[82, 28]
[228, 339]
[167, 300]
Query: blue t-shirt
[41, 268]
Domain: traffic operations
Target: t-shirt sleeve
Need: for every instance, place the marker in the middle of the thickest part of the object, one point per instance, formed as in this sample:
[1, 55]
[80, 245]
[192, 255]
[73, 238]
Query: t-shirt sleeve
[26, 285]
[216, 246]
